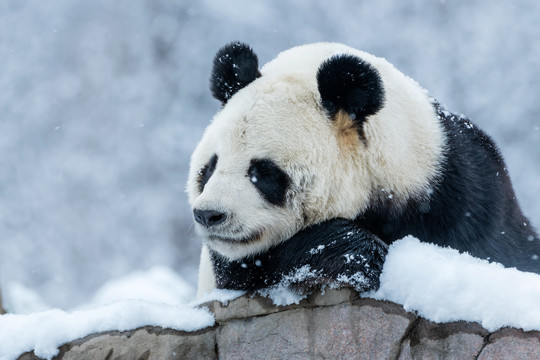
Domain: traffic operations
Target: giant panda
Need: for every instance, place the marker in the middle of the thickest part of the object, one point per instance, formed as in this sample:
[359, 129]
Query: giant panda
[325, 131]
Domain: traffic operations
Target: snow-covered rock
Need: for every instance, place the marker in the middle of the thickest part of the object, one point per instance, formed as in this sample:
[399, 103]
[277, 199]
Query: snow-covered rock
[338, 324]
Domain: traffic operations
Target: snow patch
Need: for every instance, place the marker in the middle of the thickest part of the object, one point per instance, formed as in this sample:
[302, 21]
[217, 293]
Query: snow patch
[45, 331]
[284, 293]
[356, 280]
[442, 285]
[20, 299]
[159, 284]
[317, 250]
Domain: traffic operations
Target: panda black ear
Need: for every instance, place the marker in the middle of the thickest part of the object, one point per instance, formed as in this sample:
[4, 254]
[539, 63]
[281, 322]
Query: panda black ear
[235, 66]
[349, 83]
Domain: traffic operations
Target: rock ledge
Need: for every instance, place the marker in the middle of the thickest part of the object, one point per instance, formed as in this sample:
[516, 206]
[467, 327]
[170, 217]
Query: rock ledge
[338, 324]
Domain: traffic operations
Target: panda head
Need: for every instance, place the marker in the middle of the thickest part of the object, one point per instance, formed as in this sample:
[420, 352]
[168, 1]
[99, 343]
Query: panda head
[322, 131]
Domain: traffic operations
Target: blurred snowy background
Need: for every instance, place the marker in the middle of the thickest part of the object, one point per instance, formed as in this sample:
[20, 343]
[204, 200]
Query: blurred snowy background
[102, 103]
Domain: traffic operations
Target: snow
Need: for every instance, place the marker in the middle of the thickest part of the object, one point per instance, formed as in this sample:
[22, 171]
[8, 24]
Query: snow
[282, 294]
[317, 250]
[158, 284]
[356, 280]
[19, 299]
[45, 331]
[156, 297]
[442, 285]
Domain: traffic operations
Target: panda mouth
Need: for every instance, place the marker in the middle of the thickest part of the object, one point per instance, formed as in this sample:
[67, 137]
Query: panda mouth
[242, 240]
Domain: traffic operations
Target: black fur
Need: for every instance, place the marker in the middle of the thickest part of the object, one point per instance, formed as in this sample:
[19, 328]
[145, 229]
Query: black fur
[235, 66]
[206, 172]
[472, 209]
[270, 180]
[333, 250]
[348, 83]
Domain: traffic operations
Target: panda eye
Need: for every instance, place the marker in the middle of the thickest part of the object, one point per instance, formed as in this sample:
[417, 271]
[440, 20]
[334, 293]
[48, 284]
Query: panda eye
[205, 173]
[269, 180]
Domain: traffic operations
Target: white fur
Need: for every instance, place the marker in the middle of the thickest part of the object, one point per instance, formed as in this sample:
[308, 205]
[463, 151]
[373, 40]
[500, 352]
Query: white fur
[207, 281]
[279, 117]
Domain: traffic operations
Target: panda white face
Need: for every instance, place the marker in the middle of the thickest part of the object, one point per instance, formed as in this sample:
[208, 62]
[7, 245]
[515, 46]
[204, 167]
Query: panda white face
[305, 141]
[251, 182]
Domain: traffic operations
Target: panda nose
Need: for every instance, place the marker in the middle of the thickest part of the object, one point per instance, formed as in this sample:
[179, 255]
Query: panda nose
[209, 217]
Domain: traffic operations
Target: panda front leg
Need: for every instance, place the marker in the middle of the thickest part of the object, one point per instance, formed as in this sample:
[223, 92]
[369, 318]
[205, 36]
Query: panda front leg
[335, 252]
[207, 280]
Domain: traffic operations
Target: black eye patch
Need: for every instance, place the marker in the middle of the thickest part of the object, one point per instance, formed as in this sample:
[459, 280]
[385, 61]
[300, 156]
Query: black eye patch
[206, 172]
[270, 180]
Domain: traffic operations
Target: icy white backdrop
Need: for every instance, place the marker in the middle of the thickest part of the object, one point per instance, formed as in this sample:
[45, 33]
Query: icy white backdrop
[101, 104]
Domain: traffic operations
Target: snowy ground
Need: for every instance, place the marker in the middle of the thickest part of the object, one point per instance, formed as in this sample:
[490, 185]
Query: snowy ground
[438, 283]
[158, 284]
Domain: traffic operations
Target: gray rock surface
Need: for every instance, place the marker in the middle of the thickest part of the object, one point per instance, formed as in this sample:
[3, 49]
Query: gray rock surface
[511, 343]
[457, 340]
[147, 343]
[334, 325]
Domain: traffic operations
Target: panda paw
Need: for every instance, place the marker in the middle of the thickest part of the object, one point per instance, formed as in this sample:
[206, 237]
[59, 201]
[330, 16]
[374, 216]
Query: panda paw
[333, 253]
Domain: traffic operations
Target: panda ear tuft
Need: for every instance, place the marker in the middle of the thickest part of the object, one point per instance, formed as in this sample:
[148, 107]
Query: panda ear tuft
[349, 83]
[235, 66]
